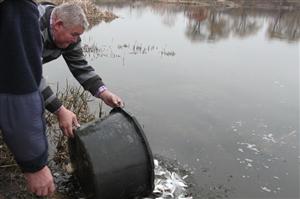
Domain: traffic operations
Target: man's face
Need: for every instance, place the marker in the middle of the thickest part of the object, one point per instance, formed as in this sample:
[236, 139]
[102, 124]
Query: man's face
[65, 36]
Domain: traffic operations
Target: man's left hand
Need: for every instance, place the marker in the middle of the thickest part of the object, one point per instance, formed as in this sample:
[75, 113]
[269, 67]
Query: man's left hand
[111, 99]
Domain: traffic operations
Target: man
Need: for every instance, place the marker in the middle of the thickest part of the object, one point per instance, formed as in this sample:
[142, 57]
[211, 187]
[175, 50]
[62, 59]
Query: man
[21, 106]
[61, 27]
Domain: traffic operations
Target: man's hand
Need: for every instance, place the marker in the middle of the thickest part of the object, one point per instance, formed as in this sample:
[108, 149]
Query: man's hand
[41, 182]
[67, 121]
[111, 99]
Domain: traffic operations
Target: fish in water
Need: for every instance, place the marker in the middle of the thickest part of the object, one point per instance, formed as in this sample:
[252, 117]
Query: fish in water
[168, 184]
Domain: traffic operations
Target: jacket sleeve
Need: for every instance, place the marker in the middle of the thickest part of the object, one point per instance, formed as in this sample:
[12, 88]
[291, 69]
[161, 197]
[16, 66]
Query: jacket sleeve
[81, 70]
[52, 103]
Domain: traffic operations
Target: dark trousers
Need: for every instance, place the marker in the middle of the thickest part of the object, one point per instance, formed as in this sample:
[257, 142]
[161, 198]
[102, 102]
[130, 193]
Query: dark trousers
[23, 129]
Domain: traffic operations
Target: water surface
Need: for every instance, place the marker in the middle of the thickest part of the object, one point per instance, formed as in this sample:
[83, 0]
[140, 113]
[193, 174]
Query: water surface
[215, 89]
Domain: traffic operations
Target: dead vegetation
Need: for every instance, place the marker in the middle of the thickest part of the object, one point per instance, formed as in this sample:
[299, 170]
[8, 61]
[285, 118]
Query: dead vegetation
[94, 14]
[76, 100]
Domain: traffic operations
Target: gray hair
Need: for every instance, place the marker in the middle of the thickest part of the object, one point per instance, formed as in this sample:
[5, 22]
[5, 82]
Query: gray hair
[71, 15]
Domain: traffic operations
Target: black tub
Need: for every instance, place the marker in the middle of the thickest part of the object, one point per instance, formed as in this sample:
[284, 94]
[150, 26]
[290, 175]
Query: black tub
[112, 158]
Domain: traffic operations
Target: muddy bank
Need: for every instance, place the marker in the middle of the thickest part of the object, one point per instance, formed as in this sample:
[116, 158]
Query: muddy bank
[12, 183]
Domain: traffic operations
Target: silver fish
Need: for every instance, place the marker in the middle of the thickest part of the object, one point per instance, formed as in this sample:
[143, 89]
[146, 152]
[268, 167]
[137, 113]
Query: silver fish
[168, 185]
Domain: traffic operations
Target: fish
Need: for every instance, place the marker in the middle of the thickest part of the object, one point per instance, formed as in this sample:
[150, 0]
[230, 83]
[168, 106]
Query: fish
[168, 184]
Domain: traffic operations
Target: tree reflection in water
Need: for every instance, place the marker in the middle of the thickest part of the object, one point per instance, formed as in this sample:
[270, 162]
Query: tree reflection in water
[210, 24]
[214, 23]
[286, 25]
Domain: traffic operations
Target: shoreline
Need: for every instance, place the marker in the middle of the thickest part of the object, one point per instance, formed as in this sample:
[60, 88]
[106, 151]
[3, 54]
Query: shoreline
[253, 4]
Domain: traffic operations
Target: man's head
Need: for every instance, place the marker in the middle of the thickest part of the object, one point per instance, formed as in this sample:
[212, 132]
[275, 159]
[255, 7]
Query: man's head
[68, 23]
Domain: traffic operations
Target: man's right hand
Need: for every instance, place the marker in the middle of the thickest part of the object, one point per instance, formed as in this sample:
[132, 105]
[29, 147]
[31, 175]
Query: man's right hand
[67, 121]
[41, 182]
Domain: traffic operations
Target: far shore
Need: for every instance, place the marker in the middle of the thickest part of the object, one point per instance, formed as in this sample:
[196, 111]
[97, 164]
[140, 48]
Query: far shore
[262, 4]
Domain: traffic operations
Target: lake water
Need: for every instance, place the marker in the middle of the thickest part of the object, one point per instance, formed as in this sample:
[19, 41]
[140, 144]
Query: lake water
[215, 89]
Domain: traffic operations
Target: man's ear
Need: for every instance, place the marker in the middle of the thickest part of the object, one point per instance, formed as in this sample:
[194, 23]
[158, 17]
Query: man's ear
[58, 24]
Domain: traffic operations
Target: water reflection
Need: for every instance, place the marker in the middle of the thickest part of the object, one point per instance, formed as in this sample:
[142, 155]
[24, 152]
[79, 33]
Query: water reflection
[285, 25]
[211, 24]
[214, 23]
[225, 106]
[207, 24]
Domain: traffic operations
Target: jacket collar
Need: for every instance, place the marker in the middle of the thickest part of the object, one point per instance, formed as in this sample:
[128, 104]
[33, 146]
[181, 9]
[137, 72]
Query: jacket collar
[46, 28]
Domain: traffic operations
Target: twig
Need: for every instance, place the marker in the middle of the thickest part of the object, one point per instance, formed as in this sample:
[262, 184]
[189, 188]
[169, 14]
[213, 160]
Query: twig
[8, 165]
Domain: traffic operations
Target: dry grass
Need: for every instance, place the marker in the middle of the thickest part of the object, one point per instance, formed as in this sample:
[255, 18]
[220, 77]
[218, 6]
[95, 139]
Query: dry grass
[6, 159]
[76, 100]
[93, 13]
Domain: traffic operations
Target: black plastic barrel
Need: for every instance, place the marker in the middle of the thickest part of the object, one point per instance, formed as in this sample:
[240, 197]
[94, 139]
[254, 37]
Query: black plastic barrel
[112, 158]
